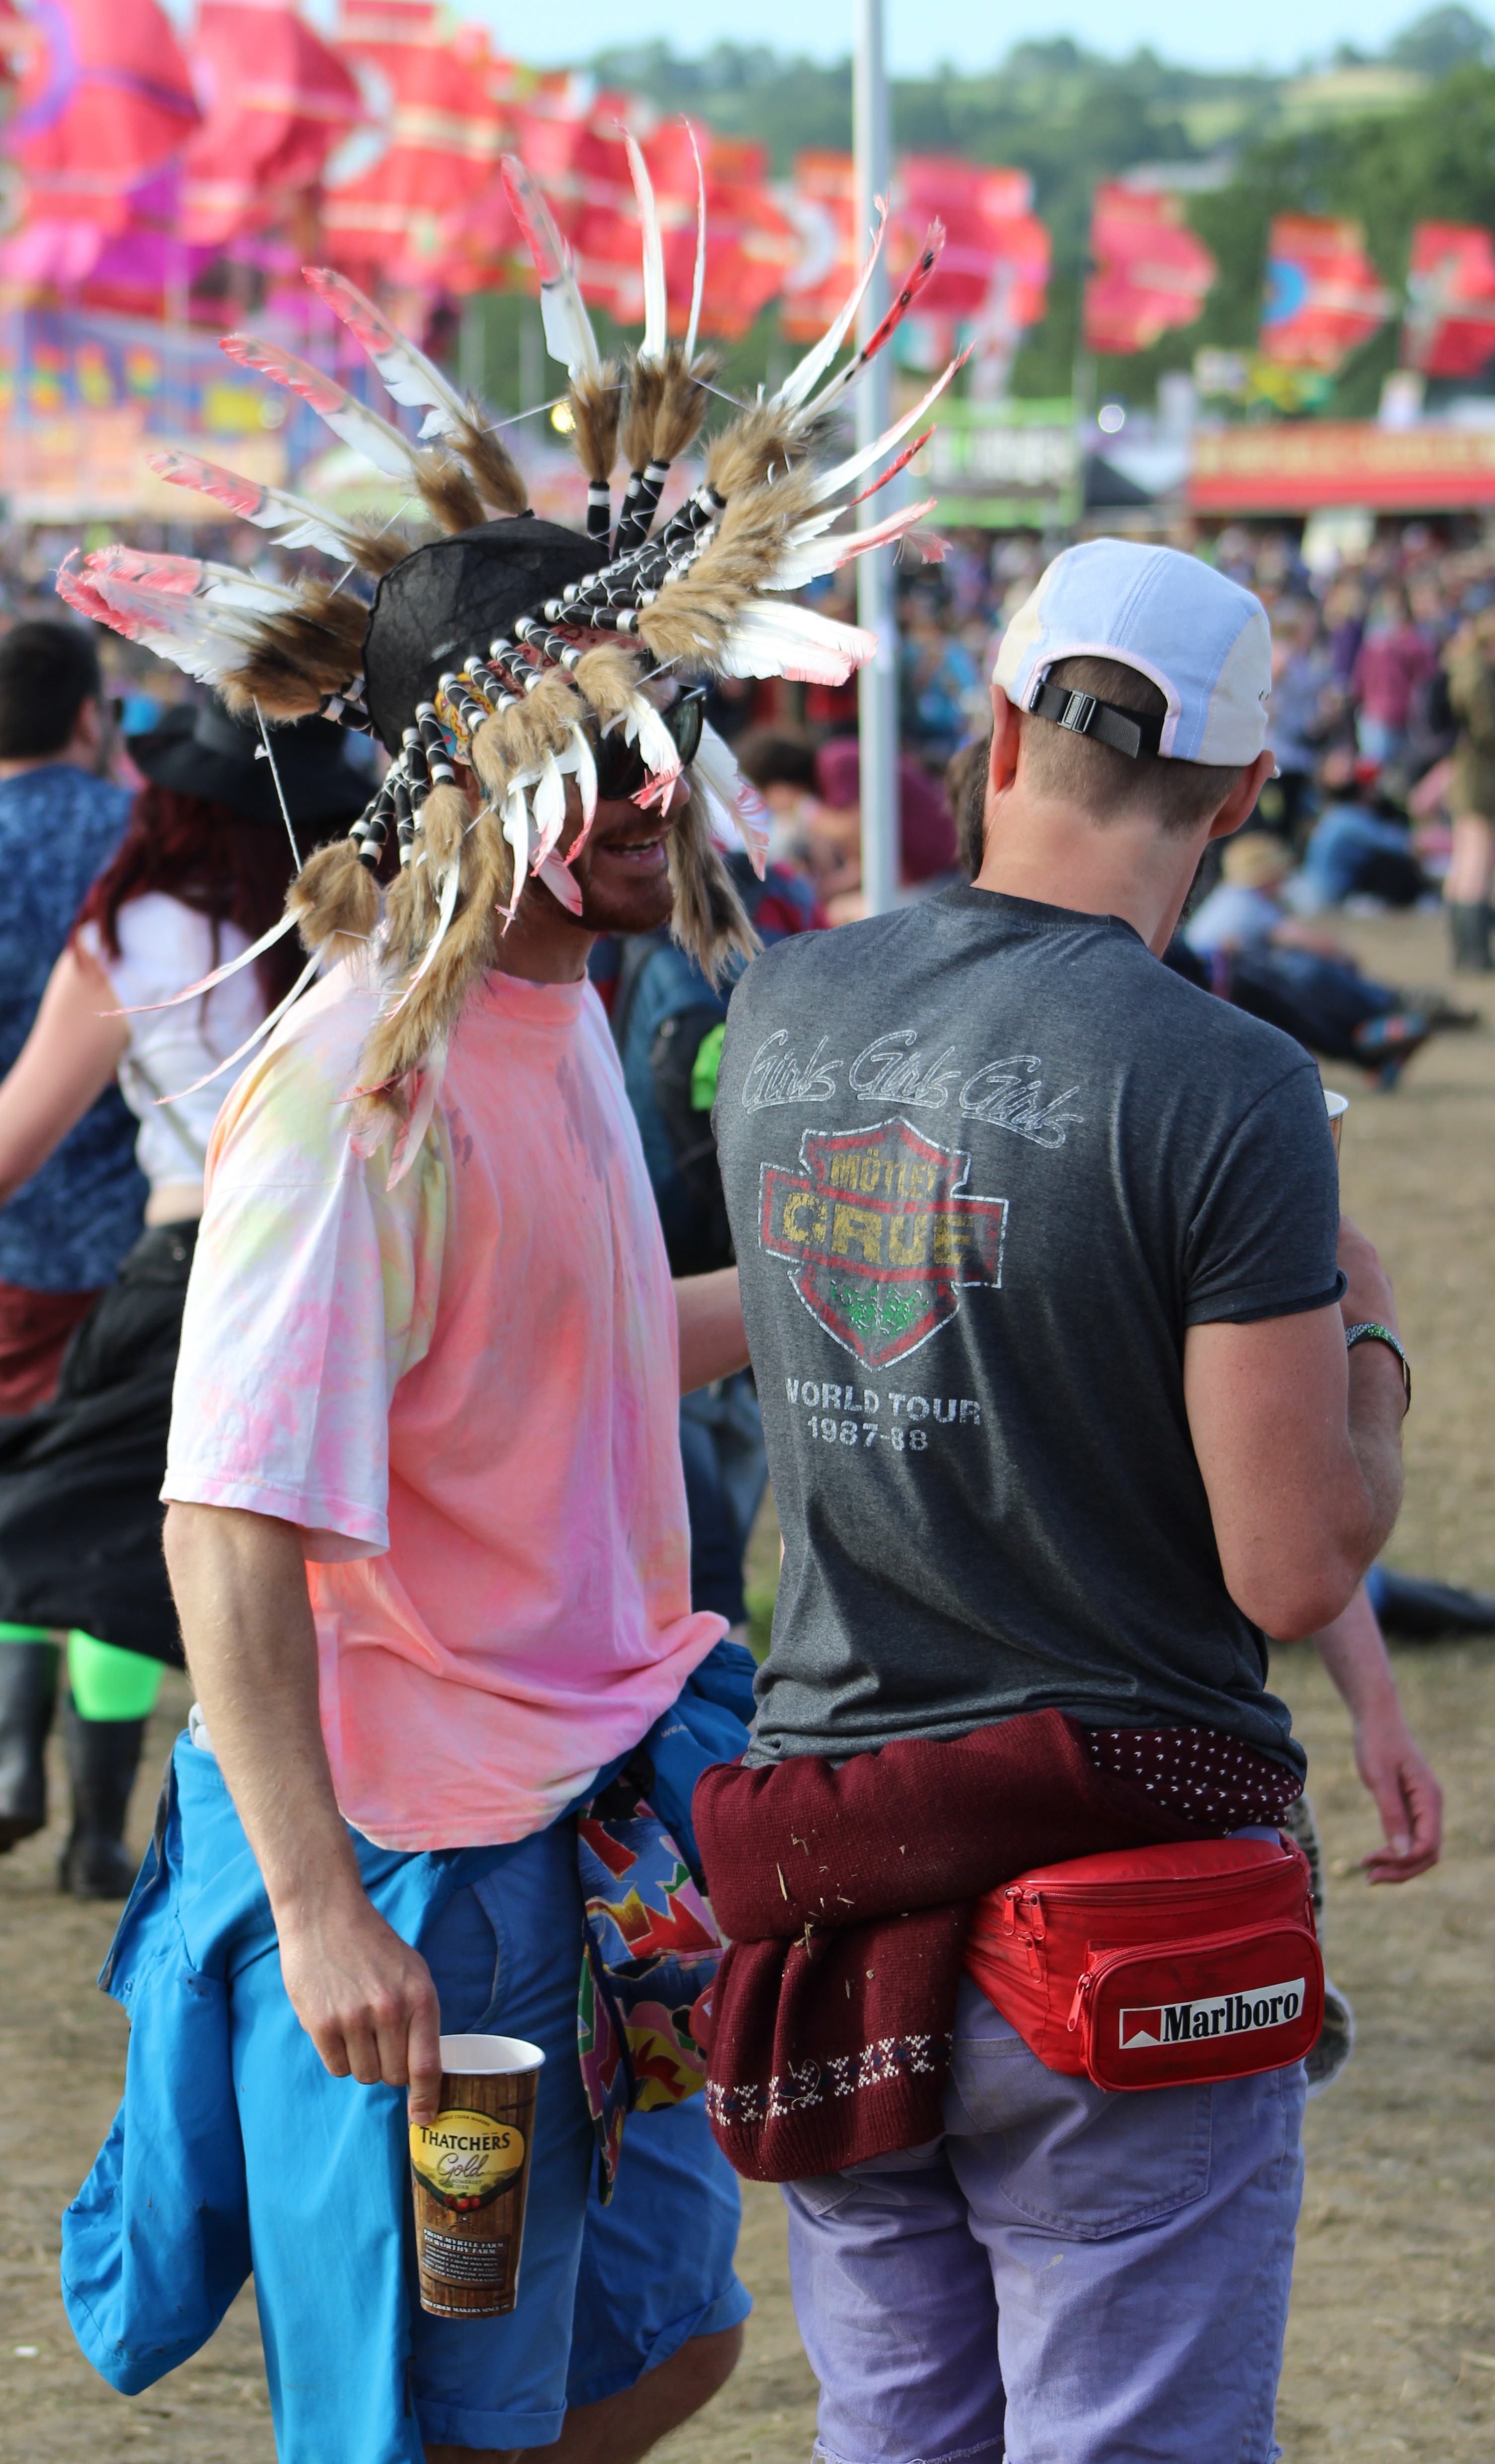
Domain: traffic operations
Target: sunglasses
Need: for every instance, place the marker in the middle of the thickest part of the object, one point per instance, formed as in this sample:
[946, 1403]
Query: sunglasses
[621, 768]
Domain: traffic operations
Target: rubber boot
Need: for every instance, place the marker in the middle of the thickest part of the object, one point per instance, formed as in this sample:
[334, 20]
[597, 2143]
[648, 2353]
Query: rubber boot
[102, 1759]
[28, 1697]
[1469, 938]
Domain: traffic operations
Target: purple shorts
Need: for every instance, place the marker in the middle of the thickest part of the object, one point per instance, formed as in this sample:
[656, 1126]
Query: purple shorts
[1065, 2278]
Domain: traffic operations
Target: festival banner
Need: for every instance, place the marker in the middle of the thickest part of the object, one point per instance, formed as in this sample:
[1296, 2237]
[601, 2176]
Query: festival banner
[1305, 466]
[434, 132]
[276, 99]
[992, 280]
[1449, 327]
[1150, 271]
[1324, 297]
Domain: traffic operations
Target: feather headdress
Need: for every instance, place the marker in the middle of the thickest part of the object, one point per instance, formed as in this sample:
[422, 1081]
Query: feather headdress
[509, 649]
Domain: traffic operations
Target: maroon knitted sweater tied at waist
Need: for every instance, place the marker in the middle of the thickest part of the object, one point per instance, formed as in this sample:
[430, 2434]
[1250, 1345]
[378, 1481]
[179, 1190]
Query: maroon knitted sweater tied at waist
[845, 1890]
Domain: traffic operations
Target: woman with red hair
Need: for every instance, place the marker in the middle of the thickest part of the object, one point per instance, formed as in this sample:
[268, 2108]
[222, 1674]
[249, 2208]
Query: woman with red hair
[200, 875]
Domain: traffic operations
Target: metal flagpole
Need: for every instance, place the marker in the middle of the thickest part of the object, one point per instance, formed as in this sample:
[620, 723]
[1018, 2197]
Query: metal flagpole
[878, 685]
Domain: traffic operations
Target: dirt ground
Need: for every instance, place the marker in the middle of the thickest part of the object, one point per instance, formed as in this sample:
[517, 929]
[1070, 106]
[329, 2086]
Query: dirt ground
[1392, 2344]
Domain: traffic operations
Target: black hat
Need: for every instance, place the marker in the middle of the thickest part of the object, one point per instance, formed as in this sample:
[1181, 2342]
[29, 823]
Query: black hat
[456, 594]
[204, 752]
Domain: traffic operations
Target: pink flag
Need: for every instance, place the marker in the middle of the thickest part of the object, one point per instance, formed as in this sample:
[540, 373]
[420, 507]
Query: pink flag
[1150, 270]
[105, 100]
[277, 98]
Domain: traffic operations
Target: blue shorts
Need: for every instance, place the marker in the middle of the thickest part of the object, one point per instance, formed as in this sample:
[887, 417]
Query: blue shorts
[234, 2148]
[1065, 2278]
[605, 2292]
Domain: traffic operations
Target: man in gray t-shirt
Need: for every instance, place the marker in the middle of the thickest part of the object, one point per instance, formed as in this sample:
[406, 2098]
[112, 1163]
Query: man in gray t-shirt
[1048, 1299]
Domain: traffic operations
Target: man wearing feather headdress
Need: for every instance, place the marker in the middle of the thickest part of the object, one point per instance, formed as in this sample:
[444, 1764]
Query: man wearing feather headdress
[426, 1529]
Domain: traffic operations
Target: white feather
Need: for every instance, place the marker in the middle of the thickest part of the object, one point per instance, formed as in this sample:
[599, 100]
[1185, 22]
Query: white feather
[831, 482]
[568, 328]
[517, 831]
[586, 766]
[412, 378]
[655, 740]
[698, 283]
[219, 976]
[799, 380]
[715, 768]
[550, 805]
[774, 638]
[412, 1130]
[300, 522]
[446, 907]
[260, 1032]
[562, 882]
[656, 305]
[806, 562]
[375, 438]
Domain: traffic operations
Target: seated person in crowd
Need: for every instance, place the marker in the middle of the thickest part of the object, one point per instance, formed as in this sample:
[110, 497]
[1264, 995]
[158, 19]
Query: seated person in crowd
[1360, 846]
[814, 796]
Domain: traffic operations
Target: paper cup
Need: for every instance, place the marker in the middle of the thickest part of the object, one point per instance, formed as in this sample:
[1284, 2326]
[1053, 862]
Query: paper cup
[469, 2174]
[1336, 1107]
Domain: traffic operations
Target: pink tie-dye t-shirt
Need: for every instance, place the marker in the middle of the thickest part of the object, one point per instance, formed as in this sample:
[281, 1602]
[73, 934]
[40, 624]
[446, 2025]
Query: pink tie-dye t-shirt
[465, 1389]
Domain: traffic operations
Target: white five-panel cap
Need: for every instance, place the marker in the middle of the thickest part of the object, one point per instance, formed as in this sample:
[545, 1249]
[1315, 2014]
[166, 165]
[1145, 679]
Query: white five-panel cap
[1204, 642]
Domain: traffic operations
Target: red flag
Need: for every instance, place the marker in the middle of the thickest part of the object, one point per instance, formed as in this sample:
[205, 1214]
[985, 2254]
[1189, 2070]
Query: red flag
[1151, 272]
[104, 102]
[277, 98]
[436, 131]
[823, 203]
[1450, 322]
[1324, 297]
[580, 160]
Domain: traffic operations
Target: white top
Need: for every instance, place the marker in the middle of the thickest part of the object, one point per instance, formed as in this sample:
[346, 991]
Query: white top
[164, 947]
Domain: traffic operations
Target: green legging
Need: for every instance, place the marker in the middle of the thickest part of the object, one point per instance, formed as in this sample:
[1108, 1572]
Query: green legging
[106, 1682]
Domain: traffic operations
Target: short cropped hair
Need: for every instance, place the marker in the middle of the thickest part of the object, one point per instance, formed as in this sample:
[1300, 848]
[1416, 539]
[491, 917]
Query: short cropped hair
[47, 672]
[1080, 770]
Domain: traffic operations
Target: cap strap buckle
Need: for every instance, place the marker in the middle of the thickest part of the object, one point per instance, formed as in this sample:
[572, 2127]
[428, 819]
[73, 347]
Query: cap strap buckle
[1125, 731]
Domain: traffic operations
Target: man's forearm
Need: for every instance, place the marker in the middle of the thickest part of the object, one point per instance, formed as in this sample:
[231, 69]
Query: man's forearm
[239, 1581]
[712, 1343]
[363, 1996]
[1377, 1406]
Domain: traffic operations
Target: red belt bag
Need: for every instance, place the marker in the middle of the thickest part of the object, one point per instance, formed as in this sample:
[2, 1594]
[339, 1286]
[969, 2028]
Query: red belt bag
[1157, 1967]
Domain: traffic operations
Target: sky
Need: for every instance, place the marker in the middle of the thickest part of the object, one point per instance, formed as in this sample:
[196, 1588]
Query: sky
[1278, 34]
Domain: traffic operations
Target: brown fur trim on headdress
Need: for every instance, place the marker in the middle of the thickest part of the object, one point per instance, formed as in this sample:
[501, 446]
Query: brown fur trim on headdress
[595, 408]
[519, 739]
[447, 493]
[334, 900]
[695, 612]
[709, 920]
[416, 1022]
[683, 402]
[377, 552]
[491, 465]
[641, 409]
[760, 444]
[301, 656]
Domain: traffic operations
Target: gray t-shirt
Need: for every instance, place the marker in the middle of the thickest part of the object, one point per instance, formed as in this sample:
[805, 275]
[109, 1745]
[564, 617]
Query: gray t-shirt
[985, 1161]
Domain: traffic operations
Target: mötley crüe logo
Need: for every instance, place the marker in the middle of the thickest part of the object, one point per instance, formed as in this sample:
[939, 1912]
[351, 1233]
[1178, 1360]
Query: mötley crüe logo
[881, 1235]
[1220, 2015]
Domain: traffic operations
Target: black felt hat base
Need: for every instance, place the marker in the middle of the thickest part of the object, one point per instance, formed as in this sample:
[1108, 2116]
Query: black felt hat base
[447, 601]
